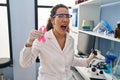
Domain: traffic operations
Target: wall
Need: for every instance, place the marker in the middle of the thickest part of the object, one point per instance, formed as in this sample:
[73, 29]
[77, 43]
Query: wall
[22, 22]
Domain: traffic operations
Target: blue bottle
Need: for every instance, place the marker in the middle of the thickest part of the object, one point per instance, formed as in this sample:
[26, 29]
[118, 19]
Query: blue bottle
[108, 67]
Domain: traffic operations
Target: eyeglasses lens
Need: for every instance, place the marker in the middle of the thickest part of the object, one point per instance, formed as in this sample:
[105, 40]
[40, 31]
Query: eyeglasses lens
[63, 15]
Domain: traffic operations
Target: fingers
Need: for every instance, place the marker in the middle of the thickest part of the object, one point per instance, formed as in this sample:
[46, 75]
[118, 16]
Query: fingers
[35, 34]
[91, 55]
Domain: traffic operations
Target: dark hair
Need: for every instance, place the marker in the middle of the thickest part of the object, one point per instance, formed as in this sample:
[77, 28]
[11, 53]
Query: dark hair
[52, 13]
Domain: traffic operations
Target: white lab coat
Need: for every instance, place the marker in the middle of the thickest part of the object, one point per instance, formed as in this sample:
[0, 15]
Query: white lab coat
[54, 63]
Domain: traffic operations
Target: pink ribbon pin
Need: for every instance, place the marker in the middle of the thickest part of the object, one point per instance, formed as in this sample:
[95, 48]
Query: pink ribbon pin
[42, 38]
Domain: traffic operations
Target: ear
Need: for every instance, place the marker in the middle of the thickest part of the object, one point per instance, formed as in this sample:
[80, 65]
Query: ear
[52, 20]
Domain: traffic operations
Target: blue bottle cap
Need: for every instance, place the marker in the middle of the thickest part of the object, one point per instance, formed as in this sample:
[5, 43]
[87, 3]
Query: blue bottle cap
[108, 61]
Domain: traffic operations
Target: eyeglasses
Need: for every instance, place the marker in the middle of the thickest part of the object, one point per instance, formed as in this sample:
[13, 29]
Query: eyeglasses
[62, 15]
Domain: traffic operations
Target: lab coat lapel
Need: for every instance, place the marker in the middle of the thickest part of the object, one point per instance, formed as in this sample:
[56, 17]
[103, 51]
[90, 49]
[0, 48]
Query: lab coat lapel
[67, 42]
[52, 39]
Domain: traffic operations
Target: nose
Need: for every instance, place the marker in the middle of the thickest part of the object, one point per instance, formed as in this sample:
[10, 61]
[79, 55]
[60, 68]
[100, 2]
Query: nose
[65, 19]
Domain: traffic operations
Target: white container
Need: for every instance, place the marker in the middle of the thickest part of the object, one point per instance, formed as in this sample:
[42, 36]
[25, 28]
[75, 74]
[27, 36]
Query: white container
[87, 24]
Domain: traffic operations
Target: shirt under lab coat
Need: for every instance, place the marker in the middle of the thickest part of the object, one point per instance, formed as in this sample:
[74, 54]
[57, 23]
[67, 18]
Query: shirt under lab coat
[54, 63]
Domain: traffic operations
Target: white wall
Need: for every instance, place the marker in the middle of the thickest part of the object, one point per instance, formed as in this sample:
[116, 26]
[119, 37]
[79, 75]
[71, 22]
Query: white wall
[22, 22]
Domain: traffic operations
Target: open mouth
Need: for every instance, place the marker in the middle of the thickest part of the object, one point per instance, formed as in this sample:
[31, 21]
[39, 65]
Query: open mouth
[63, 27]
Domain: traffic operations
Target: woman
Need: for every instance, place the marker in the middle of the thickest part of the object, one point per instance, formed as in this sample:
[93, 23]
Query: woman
[57, 53]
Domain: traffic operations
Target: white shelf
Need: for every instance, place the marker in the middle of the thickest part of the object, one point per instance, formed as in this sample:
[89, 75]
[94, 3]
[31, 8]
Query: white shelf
[99, 35]
[98, 2]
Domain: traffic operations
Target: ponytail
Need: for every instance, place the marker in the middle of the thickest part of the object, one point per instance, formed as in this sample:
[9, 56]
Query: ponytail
[49, 25]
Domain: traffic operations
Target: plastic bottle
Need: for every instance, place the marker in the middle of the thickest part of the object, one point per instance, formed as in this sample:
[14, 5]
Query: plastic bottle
[104, 28]
[108, 66]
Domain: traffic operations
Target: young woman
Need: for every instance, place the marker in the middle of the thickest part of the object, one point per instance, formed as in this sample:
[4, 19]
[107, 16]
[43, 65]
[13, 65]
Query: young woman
[57, 53]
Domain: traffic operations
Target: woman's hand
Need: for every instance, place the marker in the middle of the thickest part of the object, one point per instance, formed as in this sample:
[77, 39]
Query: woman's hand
[34, 35]
[91, 56]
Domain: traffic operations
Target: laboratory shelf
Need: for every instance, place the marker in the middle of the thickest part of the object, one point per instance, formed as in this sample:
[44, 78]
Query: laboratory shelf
[98, 2]
[99, 35]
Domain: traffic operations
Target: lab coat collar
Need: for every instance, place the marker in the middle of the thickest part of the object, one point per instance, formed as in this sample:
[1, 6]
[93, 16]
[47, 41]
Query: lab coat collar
[50, 36]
